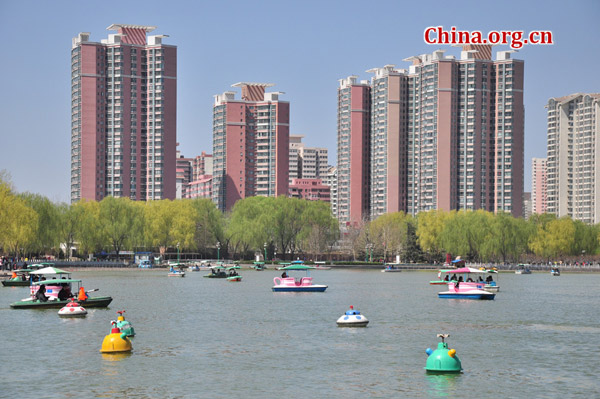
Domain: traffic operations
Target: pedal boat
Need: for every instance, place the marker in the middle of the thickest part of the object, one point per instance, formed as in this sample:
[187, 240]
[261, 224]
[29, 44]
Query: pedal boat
[291, 284]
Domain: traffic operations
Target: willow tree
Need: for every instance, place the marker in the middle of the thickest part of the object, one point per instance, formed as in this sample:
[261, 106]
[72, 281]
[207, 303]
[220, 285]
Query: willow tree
[18, 222]
[465, 233]
[553, 239]
[209, 223]
[249, 225]
[120, 219]
[47, 237]
[321, 229]
[389, 232]
[507, 238]
[430, 225]
[287, 222]
[168, 223]
[90, 233]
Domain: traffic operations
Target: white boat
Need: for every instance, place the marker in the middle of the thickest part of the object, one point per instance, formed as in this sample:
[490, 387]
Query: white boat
[352, 318]
[291, 284]
[522, 269]
[462, 285]
[176, 270]
[72, 309]
[555, 272]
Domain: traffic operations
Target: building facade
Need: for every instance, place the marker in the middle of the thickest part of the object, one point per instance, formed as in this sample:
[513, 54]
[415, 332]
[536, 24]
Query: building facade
[539, 186]
[306, 162]
[123, 115]
[331, 180]
[353, 149]
[250, 145]
[573, 158]
[466, 132]
[310, 189]
[445, 133]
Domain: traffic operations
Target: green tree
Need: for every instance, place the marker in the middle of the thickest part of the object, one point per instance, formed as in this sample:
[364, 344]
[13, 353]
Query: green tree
[390, 232]
[553, 239]
[430, 225]
[287, 223]
[465, 233]
[69, 217]
[507, 238]
[90, 233]
[19, 222]
[170, 222]
[48, 222]
[120, 218]
[321, 230]
[209, 224]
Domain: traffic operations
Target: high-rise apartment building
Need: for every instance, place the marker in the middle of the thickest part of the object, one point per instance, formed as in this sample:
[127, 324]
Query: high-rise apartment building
[184, 173]
[202, 165]
[539, 186]
[573, 163]
[250, 145]
[123, 115]
[466, 132]
[527, 205]
[353, 146]
[306, 162]
[331, 180]
[388, 135]
[444, 134]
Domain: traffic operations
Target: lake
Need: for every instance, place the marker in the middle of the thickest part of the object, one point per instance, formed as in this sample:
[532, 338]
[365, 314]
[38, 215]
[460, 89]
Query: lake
[199, 337]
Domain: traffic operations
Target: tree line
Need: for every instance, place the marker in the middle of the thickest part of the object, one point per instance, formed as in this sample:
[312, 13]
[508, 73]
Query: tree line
[33, 225]
[281, 227]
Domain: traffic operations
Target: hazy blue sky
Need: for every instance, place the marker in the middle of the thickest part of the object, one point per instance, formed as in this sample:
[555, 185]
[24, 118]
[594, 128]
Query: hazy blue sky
[303, 47]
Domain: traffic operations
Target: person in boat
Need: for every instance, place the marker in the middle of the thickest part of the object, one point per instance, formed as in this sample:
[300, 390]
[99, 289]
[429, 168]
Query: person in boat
[284, 274]
[63, 294]
[447, 278]
[40, 295]
[480, 279]
[82, 295]
[453, 277]
[469, 280]
[14, 276]
[460, 279]
[489, 279]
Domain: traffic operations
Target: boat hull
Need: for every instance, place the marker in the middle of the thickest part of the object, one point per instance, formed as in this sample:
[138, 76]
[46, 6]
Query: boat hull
[492, 288]
[238, 278]
[467, 295]
[11, 283]
[96, 302]
[176, 274]
[309, 288]
[391, 271]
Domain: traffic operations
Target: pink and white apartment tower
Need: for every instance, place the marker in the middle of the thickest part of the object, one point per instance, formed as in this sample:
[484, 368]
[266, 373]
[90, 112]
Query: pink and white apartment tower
[123, 115]
[539, 186]
[250, 145]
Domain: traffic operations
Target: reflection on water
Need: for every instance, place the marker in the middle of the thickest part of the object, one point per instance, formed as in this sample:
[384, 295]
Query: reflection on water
[115, 357]
[441, 385]
[196, 336]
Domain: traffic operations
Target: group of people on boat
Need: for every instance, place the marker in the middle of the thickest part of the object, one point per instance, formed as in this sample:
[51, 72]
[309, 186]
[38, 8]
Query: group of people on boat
[233, 273]
[63, 295]
[460, 279]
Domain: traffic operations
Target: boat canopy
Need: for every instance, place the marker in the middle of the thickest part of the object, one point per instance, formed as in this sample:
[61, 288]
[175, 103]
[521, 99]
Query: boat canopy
[233, 267]
[297, 267]
[50, 270]
[463, 270]
[57, 281]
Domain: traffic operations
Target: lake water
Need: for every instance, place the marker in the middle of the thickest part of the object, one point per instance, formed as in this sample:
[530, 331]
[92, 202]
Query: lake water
[209, 338]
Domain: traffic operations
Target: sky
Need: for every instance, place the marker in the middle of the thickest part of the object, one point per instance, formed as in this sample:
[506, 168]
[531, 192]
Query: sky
[303, 47]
